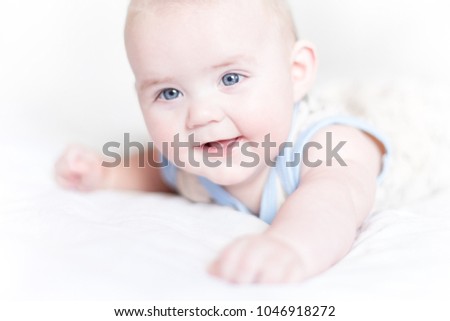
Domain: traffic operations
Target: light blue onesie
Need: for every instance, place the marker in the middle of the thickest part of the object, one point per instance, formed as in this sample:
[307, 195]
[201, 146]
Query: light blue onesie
[283, 180]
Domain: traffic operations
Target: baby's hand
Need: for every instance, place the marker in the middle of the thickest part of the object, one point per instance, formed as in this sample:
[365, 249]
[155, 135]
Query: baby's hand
[261, 258]
[80, 169]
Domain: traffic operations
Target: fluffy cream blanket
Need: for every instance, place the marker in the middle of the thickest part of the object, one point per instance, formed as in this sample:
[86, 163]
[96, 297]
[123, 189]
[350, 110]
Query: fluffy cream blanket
[414, 116]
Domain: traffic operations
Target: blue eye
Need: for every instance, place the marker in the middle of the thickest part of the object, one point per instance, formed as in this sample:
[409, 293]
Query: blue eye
[170, 94]
[231, 79]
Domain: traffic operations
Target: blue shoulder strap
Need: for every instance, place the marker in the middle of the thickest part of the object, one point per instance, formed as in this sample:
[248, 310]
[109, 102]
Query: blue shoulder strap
[288, 164]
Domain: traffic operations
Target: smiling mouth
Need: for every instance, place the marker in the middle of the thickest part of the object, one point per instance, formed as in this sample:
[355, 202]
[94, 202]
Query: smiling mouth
[220, 146]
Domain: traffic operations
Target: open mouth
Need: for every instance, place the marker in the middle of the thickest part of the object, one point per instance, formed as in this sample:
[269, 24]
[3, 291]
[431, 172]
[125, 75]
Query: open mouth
[219, 147]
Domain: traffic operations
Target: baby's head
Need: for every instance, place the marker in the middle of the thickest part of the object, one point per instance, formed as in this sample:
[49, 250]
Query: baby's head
[219, 70]
[277, 11]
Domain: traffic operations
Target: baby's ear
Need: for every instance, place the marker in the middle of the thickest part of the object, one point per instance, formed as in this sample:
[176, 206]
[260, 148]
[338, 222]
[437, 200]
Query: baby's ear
[304, 68]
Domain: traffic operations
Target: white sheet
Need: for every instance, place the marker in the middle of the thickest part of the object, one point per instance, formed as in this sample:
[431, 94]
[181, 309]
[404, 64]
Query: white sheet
[56, 244]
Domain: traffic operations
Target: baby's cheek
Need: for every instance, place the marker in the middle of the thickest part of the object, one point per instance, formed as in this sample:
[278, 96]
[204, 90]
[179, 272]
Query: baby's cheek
[159, 128]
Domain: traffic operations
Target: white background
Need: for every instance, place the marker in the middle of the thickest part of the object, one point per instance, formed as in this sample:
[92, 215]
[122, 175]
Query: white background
[65, 60]
[378, 38]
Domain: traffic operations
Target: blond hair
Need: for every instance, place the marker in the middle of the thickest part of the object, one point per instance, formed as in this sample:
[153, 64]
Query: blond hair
[278, 9]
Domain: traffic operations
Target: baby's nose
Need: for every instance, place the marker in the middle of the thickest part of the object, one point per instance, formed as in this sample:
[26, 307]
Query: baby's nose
[201, 114]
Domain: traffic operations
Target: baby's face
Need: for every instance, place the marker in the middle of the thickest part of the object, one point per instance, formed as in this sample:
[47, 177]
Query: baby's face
[220, 72]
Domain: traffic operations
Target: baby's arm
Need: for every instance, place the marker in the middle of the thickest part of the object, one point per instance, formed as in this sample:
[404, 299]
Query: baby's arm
[81, 169]
[317, 224]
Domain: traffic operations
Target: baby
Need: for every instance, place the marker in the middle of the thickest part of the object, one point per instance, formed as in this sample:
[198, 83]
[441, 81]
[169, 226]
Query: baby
[222, 87]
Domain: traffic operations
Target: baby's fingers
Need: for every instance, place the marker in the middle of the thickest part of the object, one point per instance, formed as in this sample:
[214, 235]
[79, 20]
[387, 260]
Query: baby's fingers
[65, 175]
[78, 168]
[227, 259]
[276, 268]
[241, 261]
